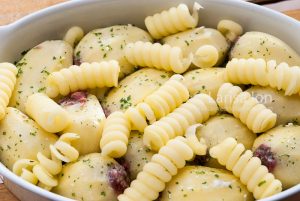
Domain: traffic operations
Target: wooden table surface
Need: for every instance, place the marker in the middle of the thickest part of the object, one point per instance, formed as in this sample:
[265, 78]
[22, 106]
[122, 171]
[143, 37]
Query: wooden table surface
[12, 10]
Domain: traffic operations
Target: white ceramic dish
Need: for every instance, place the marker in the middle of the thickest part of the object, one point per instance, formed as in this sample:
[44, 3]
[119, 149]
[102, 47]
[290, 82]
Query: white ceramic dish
[51, 23]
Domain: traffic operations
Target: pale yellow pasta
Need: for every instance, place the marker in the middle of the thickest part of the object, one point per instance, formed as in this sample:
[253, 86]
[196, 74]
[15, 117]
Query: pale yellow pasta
[195, 110]
[162, 167]
[43, 171]
[85, 76]
[172, 21]
[146, 54]
[206, 56]
[248, 168]
[230, 29]
[246, 108]
[74, 35]
[47, 113]
[8, 74]
[115, 135]
[265, 73]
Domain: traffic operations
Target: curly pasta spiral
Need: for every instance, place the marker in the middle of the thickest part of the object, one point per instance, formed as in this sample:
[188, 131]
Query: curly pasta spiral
[230, 29]
[8, 78]
[43, 170]
[255, 115]
[248, 168]
[172, 21]
[115, 135]
[74, 35]
[206, 56]
[74, 78]
[195, 110]
[162, 167]
[146, 54]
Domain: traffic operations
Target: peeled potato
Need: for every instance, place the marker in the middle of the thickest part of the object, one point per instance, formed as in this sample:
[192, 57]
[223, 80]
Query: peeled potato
[262, 45]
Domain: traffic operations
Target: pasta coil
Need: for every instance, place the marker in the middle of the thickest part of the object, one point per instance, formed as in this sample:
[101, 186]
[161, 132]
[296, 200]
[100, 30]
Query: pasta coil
[43, 171]
[195, 110]
[248, 168]
[115, 135]
[8, 74]
[74, 35]
[206, 56]
[47, 113]
[172, 21]
[230, 29]
[85, 76]
[264, 73]
[255, 115]
[162, 167]
[146, 54]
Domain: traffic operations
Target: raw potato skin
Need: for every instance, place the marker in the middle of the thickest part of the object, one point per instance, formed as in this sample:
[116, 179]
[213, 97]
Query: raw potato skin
[286, 107]
[189, 41]
[134, 89]
[137, 154]
[21, 137]
[218, 128]
[87, 179]
[109, 43]
[86, 121]
[206, 80]
[35, 67]
[205, 184]
[284, 143]
[261, 45]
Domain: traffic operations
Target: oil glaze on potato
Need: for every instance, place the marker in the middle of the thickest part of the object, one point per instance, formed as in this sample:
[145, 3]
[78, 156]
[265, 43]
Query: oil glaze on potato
[109, 43]
[133, 89]
[207, 80]
[21, 137]
[279, 150]
[189, 41]
[286, 107]
[263, 45]
[137, 154]
[194, 183]
[92, 178]
[35, 66]
[87, 119]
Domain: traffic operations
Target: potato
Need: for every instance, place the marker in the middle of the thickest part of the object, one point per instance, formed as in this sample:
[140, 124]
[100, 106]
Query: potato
[35, 66]
[109, 43]
[207, 80]
[21, 137]
[189, 41]
[133, 89]
[286, 107]
[279, 149]
[92, 178]
[137, 154]
[87, 119]
[261, 45]
[218, 128]
[206, 184]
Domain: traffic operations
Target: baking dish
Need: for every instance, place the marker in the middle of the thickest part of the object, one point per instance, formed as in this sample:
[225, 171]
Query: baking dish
[52, 23]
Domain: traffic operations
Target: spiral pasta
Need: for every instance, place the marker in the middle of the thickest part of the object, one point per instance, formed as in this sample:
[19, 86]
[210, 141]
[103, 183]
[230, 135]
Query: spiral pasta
[115, 135]
[230, 29]
[163, 166]
[206, 56]
[172, 21]
[195, 110]
[8, 74]
[146, 54]
[47, 113]
[74, 35]
[74, 78]
[43, 171]
[265, 73]
[255, 115]
[248, 168]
